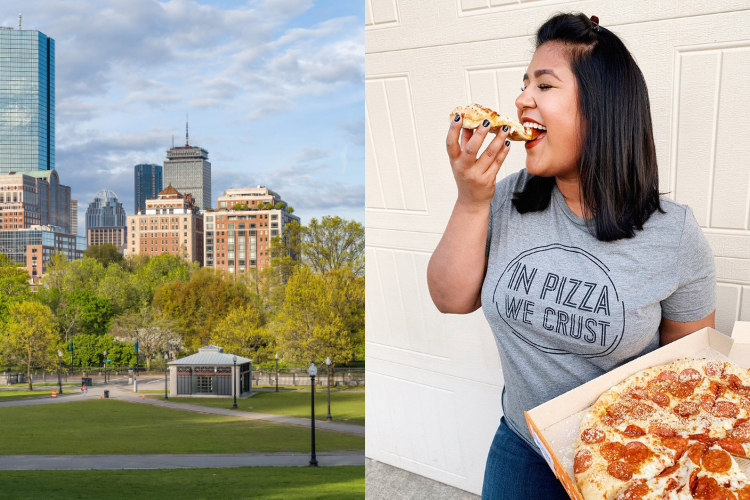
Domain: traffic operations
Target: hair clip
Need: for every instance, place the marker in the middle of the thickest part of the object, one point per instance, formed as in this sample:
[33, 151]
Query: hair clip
[595, 21]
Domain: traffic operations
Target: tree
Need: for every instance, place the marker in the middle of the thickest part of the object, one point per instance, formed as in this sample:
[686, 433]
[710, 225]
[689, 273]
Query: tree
[105, 254]
[88, 351]
[14, 286]
[279, 206]
[31, 335]
[308, 327]
[94, 313]
[289, 210]
[348, 299]
[57, 270]
[334, 243]
[154, 332]
[242, 332]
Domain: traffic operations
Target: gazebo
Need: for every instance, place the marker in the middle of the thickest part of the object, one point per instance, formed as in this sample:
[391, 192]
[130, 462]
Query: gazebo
[210, 372]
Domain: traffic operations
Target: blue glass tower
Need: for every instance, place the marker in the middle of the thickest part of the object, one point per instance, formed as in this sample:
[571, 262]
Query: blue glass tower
[27, 101]
[149, 181]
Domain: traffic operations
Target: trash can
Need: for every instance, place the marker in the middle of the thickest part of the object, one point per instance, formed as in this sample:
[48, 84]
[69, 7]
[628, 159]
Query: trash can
[86, 381]
[106, 394]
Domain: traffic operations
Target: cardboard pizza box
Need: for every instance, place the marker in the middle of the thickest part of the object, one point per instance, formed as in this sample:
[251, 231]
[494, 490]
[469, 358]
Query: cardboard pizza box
[555, 424]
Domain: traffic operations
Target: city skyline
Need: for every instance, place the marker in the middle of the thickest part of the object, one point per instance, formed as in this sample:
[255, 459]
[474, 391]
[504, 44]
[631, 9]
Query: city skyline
[280, 105]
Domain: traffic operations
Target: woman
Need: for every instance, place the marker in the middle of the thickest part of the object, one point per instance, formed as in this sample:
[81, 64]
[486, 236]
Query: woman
[577, 261]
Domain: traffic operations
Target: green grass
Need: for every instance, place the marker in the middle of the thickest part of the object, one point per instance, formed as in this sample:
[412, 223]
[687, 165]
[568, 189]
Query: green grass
[105, 426]
[346, 407]
[258, 483]
[11, 395]
[39, 383]
[307, 388]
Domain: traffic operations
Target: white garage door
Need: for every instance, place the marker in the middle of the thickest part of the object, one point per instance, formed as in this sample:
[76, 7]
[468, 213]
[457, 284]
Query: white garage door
[434, 381]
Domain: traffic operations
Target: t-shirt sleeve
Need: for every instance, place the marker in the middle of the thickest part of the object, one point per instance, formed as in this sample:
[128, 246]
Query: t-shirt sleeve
[503, 193]
[695, 296]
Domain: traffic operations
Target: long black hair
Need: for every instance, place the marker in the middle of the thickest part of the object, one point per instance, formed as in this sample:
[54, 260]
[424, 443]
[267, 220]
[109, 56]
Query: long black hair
[619, 178]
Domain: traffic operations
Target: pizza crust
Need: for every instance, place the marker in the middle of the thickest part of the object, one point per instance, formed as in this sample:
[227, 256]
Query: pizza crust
[475, 114]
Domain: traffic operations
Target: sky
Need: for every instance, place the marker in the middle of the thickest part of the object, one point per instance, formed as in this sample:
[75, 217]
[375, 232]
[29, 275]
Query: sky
[274, 90]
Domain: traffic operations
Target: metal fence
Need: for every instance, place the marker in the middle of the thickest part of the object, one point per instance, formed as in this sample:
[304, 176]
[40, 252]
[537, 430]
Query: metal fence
[345, 377]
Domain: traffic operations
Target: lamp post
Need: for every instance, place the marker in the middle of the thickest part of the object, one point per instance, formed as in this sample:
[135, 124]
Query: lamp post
[166, 358]
[105, 367]
[59, 369]
[277, 372]
[313, 371]
[328, 371]
[234, 384]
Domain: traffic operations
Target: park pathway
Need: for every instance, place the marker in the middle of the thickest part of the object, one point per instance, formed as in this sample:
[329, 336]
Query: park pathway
[192, 461]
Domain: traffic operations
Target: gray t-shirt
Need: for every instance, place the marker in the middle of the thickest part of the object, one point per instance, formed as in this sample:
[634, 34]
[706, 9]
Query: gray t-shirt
[565, 307]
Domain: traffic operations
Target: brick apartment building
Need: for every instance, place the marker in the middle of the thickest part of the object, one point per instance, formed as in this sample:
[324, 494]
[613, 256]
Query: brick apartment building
[169, 224]
[238, 234]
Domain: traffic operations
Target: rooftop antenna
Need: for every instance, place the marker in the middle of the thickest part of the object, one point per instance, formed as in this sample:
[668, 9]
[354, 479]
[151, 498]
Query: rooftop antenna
[187, 135]
[19, 22]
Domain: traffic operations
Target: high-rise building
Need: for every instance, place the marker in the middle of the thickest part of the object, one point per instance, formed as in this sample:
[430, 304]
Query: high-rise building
[171, 223]
[106, 221]
[27, 101]
[32, 247]
[188, 170]
[238, 235]
[149, 181]
[34, 198]
[73, 216]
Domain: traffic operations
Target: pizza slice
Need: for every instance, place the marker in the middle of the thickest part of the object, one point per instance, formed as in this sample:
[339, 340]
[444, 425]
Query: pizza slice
[475, 114]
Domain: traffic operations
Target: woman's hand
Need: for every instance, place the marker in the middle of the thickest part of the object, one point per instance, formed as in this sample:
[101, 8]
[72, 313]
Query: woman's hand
[474, 176]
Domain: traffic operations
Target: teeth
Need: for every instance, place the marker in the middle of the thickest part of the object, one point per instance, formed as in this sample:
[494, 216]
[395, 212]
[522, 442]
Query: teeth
[534, 125]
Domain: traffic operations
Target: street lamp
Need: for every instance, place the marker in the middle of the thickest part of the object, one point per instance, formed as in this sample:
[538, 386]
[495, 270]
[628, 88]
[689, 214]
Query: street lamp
[234, 384]
[277, 372]
[313, 371]
[328, 370]
[166, 358]
[105, 367]
[59, 369]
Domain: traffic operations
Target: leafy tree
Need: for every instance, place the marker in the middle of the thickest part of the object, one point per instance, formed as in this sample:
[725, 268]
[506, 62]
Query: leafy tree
[133, 262]
[83, 274]
[348, 299]
[200, 304]
[57, 270]
[242, 332]
[334, 243]
[105, 254]
[94, 312]
[268, 206]
[279, 206]
[308, 326]
[31, 335]
[289, 210]
[88, 351]
[154, 332]
[158, 271]
[14, 286]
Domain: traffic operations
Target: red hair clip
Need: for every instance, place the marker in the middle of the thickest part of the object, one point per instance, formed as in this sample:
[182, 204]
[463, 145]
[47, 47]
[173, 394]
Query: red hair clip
[595, 21]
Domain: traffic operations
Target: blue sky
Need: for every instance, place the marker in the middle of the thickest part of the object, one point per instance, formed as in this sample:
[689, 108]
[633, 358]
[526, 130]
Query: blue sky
[274, 90]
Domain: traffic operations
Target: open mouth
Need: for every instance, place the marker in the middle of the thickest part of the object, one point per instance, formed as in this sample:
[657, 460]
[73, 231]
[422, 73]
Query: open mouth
[536, 135]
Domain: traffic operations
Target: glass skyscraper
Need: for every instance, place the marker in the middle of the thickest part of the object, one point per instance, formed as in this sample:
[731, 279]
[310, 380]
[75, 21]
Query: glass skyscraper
[149, 181]
[27, 101]
[105, 211]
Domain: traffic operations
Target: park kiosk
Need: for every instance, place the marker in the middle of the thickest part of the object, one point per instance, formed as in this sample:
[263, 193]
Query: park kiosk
[210, 372]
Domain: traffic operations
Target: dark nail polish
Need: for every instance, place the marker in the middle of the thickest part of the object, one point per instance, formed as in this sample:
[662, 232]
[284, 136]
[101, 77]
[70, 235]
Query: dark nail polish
[486, 123]
[458, 117]
[507, 143]
[505, 128]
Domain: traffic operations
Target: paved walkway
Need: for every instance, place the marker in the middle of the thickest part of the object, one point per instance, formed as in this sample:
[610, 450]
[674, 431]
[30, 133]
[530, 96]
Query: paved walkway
[87, 462]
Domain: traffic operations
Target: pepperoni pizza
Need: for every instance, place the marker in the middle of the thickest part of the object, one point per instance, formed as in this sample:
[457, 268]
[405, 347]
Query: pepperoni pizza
[475, 114]
[668, 432]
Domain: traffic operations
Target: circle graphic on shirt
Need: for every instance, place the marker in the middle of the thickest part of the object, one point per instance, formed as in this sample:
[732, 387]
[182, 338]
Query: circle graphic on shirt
[561, 300]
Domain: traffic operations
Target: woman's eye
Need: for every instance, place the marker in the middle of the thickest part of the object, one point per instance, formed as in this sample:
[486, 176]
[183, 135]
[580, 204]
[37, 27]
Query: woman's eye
[541, 87]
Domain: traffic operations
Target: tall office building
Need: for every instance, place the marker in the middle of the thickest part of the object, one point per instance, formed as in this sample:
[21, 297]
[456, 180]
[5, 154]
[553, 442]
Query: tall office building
[106, 221]
[34, 198]
[27, 101]
[188, 170]
[73, 216]
[149, 182]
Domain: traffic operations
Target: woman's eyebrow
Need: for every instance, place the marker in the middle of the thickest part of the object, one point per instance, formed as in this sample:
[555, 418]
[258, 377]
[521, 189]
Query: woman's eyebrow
[540, 72]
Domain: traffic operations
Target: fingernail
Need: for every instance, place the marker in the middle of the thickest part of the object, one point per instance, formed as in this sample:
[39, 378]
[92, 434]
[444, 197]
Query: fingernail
[505, 128]
[507, 143]
[486, 123]
[458, 117]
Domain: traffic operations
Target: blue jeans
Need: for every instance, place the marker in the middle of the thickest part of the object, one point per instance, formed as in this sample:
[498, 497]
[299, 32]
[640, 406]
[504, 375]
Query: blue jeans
[516, 471]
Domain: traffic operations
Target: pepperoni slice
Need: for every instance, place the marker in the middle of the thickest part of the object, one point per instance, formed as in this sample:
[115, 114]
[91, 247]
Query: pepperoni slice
[633, 431]
[636, 452]
[725, 409]
[666, 376]
[611, 421]
[707, 402]
[620, 470]
[703, 438]
[715, 460]
[693, 481]
[732, 446]
[706, 488]
[744, 493]
[714, 368]
[681, 390]
[669, 470]
[741, 433]
[676, 443]
[642, 410]
[660, 398]
[687, 408]
[661, 430]
[717, 389]
[634, 492]
[695, 451]
[739, 422]
[582, 461]
[745, 403]
[690, 376]
[612, 451]
[732, 379]
[592, 436]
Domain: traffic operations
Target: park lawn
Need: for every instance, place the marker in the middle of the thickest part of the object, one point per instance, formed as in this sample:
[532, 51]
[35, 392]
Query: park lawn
[39, 383]
[307, 388]
[346, 407]
[111, 427]
[6, 395]
[259, 483]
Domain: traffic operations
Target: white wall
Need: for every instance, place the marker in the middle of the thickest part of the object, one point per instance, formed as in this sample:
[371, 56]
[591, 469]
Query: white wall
[434, 381]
